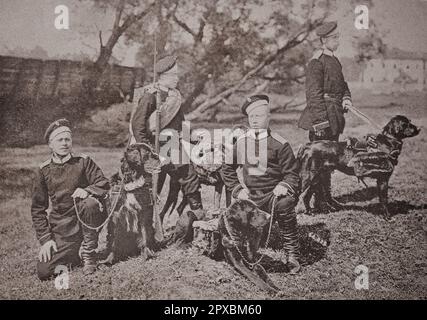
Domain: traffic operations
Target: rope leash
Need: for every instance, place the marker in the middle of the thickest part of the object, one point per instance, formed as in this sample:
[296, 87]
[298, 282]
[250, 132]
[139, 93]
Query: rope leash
[116, 200]
[113, 208]
[252, 265]
[364, 117]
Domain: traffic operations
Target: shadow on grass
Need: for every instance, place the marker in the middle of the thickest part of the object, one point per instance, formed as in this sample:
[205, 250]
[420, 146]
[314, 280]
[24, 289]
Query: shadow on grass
[313, 241]
[394, 208]
[371, 193]
[365, 194]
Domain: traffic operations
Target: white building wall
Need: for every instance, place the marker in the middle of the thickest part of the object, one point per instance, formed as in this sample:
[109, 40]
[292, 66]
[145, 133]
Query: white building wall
[382, 73]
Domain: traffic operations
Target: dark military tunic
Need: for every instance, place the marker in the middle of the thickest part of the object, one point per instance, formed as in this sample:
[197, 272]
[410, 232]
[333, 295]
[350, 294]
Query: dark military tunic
[281, 168]
[57, 182]
[325, 91]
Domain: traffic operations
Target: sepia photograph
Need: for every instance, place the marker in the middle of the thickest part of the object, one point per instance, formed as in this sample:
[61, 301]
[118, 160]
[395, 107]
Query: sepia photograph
[225, 151]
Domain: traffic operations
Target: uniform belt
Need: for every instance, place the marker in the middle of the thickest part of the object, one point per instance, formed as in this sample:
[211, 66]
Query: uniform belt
[332, 96]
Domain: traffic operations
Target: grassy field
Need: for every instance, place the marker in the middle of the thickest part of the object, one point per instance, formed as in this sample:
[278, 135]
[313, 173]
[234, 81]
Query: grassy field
[394, 252]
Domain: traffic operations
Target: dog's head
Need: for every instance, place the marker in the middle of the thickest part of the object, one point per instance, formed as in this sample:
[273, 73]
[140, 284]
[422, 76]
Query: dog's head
[401, 127]
[137, 154]
[245, 216]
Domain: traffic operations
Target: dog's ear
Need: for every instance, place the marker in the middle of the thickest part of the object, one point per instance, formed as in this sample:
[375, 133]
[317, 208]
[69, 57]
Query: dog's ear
[397, 126]
[247, 210]
[234, 213]
[393, 127]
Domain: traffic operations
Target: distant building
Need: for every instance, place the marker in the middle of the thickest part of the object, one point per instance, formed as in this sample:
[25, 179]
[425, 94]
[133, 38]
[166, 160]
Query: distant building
[397, 70]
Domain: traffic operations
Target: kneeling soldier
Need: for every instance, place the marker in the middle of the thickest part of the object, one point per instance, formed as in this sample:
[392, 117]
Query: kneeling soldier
[274, 185]
[67, 178]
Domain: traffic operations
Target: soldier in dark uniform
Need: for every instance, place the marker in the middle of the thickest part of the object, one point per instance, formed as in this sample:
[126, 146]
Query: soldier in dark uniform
[142, 129]
[273, 183]
[62, 178]
[328, 97]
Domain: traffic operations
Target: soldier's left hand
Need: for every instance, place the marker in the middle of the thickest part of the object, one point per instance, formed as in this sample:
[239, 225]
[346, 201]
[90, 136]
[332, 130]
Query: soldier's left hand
[80, 193]
[346, 104]
[280, 190]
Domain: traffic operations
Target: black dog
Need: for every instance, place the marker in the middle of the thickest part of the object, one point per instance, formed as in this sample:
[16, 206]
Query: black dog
[241, 228]
[132, 202]
[374, 157]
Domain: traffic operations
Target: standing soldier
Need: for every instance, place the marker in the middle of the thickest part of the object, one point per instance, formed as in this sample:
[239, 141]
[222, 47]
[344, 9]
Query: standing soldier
[142, 128]
[62, 178]
[273, 185]
[328, 97]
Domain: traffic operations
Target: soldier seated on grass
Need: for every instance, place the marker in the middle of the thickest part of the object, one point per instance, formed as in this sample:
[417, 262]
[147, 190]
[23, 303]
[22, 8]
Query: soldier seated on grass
[74, 184]
[273, 184]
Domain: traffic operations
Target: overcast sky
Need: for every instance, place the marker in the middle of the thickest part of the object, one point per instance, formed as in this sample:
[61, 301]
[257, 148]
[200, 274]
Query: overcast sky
[28, 23]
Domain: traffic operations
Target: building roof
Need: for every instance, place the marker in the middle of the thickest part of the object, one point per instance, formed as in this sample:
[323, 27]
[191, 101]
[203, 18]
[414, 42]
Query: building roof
[395, 53]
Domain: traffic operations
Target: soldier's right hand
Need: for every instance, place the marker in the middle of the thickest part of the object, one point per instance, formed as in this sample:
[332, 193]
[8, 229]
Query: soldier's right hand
[45, 253]
[243, 195]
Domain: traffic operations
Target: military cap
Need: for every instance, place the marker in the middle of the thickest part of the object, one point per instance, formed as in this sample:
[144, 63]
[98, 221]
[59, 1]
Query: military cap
[57, 127]
[254, 101]
[165, 64]
[326, 28]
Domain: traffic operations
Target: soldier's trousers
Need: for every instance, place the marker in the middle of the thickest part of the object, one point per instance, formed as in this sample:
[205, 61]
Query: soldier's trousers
[322, 191]
[68, 246]
[284, 213]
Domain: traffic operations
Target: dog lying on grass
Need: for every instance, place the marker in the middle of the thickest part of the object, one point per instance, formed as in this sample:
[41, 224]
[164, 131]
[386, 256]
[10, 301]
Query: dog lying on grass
[374, 157]
[241, 227]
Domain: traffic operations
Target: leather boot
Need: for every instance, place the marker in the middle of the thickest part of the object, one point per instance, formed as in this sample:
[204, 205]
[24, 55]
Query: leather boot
[289, 234]
[88, 250]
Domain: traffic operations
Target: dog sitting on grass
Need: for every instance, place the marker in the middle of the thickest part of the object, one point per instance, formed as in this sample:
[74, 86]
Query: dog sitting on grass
[131, 200]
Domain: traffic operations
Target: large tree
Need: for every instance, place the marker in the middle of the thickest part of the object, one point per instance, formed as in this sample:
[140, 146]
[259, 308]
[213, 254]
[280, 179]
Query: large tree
[127, 14]
[226, 47]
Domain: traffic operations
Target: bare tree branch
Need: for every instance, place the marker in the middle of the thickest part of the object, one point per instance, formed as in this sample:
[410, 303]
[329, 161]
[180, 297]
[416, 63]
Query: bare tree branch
[292, 103]
[298, 38]
[118, 30]
[183, 25]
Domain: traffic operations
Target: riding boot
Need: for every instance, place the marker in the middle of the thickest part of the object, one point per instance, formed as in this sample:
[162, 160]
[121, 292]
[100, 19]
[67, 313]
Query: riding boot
[289, 234]
[88, 250]
[93, 214]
